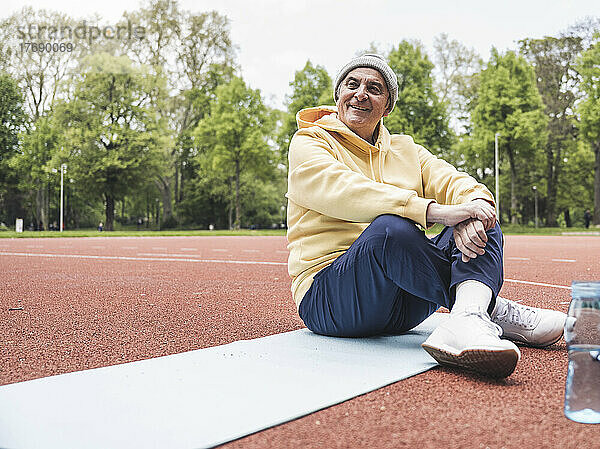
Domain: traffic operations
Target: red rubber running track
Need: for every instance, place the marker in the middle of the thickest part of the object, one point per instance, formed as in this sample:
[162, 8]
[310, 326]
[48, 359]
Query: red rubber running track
[75, 304]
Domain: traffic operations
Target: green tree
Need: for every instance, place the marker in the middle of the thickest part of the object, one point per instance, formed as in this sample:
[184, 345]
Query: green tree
[311, 87]
[194, 52]
[576, 181]
[12, 120]
[509, 103]
[114, 136]
[589, 110]
[43, 76]
[34, 163]
[456, 67]
[419, 112]
[553, 60]
[233, 140]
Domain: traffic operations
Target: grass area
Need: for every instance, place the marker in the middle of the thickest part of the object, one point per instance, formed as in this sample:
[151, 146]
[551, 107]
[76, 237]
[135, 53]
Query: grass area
[136, 233]
[507, 229]
[516, 229]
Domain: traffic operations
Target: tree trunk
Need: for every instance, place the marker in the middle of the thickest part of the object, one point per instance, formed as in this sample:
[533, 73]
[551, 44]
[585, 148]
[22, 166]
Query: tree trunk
[568, 218]
[229, 216]
[596, 219]
[46, 208]
[110, 212]
[181, 184]
[551, 175]
[41, 208]
[237, 195]
[176, 178]
[164, 187]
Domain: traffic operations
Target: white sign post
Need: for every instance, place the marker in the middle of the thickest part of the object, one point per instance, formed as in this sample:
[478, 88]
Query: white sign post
[19, 225]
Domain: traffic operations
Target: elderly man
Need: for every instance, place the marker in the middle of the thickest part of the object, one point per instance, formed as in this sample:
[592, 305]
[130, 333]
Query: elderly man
[361, 264]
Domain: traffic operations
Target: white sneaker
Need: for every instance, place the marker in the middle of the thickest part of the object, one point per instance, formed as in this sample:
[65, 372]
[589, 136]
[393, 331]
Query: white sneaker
[528, 325]
[470, 340]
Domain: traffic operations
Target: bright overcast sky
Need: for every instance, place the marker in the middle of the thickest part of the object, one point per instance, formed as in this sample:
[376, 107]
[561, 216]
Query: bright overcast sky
[276, 37]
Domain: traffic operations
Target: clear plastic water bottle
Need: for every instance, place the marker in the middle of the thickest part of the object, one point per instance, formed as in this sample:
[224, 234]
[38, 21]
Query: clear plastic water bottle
[582, 334]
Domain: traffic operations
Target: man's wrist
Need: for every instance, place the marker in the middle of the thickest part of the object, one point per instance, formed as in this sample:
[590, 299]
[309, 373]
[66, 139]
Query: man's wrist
[434, 213]
[491, 203]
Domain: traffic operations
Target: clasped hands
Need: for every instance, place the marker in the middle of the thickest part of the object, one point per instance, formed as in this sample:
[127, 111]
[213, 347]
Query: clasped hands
[470, 221]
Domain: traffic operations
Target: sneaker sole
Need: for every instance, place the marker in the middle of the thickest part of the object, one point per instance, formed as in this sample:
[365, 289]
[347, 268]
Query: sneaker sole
[499, 364]
[523, 341]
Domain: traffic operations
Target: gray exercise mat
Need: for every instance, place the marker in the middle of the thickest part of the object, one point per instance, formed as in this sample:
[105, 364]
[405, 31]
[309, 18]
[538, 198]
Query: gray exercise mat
[206, 397]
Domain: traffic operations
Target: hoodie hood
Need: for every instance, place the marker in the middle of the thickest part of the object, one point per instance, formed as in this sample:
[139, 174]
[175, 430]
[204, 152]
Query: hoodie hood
[326, 117]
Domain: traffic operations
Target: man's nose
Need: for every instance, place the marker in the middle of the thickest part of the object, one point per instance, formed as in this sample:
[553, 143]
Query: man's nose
[361, 93]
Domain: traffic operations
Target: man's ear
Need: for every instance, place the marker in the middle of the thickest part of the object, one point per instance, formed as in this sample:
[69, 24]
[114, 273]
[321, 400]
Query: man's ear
[388, 107]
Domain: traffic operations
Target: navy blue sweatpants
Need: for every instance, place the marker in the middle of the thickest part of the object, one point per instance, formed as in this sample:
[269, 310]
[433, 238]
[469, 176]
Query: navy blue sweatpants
[392, 278]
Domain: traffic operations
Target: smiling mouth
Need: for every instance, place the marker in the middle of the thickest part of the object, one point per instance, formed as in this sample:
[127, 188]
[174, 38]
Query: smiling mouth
[358, 108]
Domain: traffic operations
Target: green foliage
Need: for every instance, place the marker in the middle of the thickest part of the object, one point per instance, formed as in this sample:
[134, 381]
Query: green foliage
[577, 178]
[456, 69]
[418, 111]
[39, 147]
[35, 166]
[232, 143]
[164, 125]
[311, 87]
[113, 135]
[553, 59]
[12, 117]
[589, 109]
[12, 120]
[508, 103]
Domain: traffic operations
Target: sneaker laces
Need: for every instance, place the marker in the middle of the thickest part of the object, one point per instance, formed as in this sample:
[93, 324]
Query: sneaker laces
[483, 316]
[516, 314]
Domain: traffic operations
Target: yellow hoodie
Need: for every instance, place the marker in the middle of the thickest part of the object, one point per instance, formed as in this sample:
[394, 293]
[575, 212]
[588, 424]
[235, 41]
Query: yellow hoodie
[339, 183]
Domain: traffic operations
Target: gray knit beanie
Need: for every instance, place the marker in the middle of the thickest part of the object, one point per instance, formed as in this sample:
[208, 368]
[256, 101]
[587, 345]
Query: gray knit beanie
[372, 61]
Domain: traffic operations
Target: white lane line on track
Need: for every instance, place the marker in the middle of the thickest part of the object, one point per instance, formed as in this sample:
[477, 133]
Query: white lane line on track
[221, 250]
[244, 262]
[518, 258]
[251, 251]
[541, 284]
[189, 249]
[282, 252]
[165, 255]
[143, 259]
[563, 260]
[156, 248]
[129, 247]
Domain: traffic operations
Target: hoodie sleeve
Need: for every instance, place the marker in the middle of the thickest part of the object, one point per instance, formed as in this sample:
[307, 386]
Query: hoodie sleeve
[448, 185]
[318, 181]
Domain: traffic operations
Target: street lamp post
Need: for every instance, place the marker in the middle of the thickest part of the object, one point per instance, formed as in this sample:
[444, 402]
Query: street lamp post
[536, 205]
[496, 169]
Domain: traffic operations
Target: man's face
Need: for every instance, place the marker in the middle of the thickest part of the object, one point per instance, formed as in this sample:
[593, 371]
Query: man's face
[362, 101]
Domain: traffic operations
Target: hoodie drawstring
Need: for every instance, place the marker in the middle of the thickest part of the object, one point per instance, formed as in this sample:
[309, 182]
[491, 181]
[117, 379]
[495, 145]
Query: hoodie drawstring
[371, 164]
[382, 155]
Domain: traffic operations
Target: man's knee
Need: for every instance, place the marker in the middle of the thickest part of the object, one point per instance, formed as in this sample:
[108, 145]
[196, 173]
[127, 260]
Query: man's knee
[395, 227]
[495, 234]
